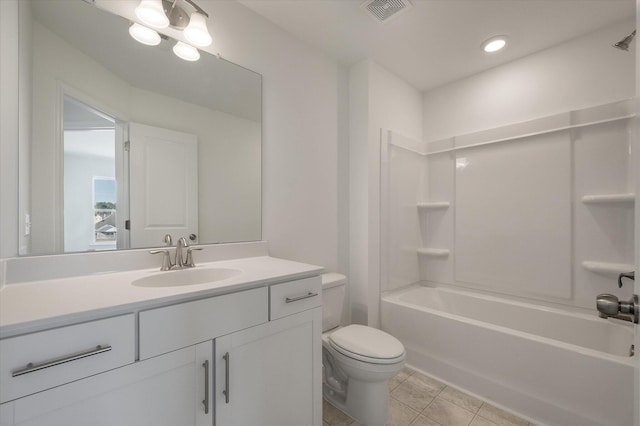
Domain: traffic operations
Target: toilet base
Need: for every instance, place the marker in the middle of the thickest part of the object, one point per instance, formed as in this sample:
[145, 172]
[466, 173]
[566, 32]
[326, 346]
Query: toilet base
[366, 402]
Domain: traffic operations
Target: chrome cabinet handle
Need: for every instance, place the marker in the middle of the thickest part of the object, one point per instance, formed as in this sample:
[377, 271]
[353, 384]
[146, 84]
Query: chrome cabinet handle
[31, 367]
[295, 299]
[205, 401]
[225, 392]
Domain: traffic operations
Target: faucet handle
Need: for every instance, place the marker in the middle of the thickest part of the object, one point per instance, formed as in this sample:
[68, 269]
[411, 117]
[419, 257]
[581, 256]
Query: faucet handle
[631, 275]
[608, 305]
[189, 261]
[167, 264]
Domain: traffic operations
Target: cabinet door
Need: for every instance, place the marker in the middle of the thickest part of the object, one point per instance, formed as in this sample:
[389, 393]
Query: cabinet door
[165, 390]
[6, 414]
[270, 374]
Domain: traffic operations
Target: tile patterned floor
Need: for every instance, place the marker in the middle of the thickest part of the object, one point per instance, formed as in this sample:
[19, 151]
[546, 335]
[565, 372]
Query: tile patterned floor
[419, 400]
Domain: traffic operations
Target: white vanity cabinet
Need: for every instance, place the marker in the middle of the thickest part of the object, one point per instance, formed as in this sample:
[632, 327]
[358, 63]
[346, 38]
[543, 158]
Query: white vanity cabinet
[250, 357]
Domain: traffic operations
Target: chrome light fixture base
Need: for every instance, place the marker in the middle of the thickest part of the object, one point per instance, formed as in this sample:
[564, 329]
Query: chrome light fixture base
[178, 18]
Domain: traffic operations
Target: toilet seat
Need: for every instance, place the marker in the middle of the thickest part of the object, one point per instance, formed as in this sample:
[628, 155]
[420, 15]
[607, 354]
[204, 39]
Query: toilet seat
[367, 344]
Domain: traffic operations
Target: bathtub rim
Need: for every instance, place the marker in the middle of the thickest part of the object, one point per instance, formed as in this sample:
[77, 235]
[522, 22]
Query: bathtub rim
[393, 296]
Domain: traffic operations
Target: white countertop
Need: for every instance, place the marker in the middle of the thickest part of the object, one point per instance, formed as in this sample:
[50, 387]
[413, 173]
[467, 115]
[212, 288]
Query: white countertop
[39, 305]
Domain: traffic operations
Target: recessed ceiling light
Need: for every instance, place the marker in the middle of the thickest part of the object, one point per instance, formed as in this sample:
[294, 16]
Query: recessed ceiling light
[494, 44]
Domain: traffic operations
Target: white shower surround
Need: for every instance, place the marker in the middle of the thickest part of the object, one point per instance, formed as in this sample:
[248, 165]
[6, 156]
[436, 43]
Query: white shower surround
[550, 365]
[509, 210]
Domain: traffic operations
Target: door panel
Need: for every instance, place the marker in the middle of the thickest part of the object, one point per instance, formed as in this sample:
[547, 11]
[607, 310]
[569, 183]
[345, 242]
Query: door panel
[163, 184]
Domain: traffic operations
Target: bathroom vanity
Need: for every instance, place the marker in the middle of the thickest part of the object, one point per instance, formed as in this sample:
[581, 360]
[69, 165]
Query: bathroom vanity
[115, 349]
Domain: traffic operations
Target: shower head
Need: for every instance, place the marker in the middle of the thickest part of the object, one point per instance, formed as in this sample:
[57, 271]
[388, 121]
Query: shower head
[624, 43]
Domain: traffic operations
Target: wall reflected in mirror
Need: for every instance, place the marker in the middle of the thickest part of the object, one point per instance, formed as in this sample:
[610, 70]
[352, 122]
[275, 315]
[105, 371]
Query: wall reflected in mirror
[123, 143]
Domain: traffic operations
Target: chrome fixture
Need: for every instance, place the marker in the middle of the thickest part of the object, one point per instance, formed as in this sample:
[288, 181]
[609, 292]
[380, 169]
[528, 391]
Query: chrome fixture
[179, 261]
[610, 307]
[631, 275]
[182, 244]
[159, 14]
[167, 263]
[167, 240]
[625, 42]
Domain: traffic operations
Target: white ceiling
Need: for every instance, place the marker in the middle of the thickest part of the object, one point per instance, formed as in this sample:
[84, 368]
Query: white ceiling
[438, 41]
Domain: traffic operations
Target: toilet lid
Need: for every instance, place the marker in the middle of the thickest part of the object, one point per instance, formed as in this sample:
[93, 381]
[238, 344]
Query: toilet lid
[367, 344]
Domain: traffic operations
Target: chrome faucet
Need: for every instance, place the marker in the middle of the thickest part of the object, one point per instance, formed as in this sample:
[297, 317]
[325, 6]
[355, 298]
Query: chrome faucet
[182, 243]
[180, 261]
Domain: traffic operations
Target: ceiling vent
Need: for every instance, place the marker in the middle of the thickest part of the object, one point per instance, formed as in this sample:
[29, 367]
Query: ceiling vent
[385, 10]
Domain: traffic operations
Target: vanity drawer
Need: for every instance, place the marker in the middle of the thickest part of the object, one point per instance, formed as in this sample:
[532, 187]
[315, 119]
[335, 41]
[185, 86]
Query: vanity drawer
[38, 361]
[173, 327]
[294, 296]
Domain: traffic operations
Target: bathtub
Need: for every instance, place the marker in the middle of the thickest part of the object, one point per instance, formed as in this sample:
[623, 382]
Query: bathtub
[552, 366]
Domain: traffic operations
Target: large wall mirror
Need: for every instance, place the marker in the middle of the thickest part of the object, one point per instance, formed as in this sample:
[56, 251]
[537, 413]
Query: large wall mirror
[122, 143]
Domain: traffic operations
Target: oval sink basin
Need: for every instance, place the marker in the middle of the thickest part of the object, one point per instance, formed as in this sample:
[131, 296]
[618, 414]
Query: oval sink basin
[182, 277]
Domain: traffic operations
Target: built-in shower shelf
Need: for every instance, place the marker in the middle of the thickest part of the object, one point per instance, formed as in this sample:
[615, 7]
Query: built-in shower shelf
[609, 198]
[434, 205]
[433, 252]
[607, 267]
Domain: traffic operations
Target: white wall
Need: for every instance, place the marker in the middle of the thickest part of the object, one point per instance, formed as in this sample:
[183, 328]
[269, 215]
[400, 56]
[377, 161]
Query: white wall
[580, 73]
[378, 100]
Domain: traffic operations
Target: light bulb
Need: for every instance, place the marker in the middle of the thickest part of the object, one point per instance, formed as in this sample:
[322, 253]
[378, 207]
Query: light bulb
[152, 13]
[494, 44]
[186, 52]
[196, 32]
[144, 35]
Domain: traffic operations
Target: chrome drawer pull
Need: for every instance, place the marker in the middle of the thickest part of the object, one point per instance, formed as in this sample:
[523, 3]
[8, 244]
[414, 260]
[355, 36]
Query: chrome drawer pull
[225, 392]
[295, 299]
[205, 401]
[31, 367]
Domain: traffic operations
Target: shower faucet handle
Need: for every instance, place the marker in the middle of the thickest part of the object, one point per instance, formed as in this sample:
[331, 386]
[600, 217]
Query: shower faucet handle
[609, 306]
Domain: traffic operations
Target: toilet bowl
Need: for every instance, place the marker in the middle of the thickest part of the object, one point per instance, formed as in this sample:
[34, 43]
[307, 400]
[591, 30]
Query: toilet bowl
[357, 360]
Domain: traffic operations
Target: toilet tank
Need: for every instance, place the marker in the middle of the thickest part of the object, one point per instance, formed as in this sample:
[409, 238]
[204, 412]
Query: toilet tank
[333, 298]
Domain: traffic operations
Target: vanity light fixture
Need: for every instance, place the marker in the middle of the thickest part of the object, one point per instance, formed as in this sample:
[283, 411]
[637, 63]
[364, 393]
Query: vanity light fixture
[186, 52]
[161, 14]
[144, 35]
[494, 44]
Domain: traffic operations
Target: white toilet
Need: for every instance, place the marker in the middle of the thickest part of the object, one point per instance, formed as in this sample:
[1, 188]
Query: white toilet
[357, 361]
